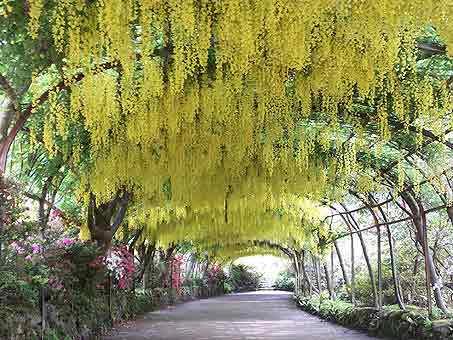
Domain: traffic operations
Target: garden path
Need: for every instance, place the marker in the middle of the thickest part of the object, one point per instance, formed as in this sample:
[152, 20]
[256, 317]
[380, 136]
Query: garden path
[262, 315]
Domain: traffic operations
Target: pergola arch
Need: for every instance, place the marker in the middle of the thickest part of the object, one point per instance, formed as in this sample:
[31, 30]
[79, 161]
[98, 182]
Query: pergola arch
[264, 120]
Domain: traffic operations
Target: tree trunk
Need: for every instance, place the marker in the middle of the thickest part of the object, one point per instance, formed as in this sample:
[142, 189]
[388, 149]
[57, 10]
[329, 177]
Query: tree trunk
[354, 225]
[43, 216]
[332, 272]
[311, 288]
[352, 271]
[7, 141]
[329, 282]
[105, 219]
[414, 283]
[450, 213]
[435, 281]
[148, 257]
[395, 276]
[7, 113]
[190, 270]
[295, 261]
[341, 262]
[379, 268]
[419, 219]
[2, 211]
[317, 272]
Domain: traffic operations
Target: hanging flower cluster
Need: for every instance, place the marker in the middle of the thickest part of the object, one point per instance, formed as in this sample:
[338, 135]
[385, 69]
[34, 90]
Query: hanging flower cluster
[216, 112]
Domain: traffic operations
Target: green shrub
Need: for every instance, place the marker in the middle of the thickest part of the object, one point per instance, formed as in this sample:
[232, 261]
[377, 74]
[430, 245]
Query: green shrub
[364, 291]
[243, 278]
[15, 291]
[227, 287]
[285, 281]
[389, 322]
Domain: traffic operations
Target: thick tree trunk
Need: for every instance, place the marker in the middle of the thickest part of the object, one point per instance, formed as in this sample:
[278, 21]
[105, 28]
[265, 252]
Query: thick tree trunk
[166, 256]
[6, 117]
[9, 106]
[435, 281]
[6, 142]
[105, 219]
[148, 258]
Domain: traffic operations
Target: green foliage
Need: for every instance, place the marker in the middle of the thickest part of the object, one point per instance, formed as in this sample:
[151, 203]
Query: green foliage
[390, 323]
[83, 275]
[285, 281]
[364, 291]
[242, 277]
[227, 287]
[14, 291]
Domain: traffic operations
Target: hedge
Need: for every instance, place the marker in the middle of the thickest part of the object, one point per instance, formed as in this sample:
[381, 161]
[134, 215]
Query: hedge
[398, 324]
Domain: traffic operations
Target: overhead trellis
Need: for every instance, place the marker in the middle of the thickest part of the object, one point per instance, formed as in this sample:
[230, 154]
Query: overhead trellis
[214, 113]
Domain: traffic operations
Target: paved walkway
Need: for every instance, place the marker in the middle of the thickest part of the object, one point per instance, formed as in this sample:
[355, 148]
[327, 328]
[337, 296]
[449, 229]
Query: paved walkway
[260, 315]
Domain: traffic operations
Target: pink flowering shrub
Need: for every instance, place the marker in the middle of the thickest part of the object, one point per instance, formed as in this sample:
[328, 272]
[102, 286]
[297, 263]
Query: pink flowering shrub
[17, 247]
[176, 263]
[215, 274]
[119, 262]
[65, 242]
[29, 248]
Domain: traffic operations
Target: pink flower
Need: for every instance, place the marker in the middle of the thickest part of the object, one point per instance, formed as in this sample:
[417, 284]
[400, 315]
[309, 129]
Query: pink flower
[56, 283]
[36, 248]
[28, 257]
[122, 283]
[65, 242]
[55, 213]
[17, 247]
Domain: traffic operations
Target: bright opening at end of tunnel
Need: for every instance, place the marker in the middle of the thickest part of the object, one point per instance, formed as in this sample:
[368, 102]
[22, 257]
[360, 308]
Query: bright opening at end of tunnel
[267, 266]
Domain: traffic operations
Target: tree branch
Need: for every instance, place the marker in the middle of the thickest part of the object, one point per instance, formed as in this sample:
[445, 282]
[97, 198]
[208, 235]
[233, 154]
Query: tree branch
[10, 92]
